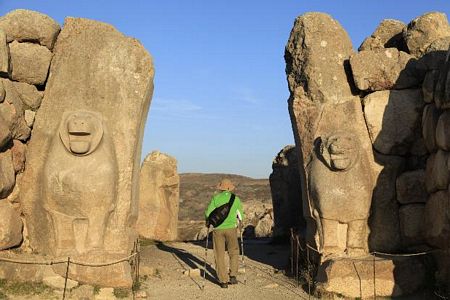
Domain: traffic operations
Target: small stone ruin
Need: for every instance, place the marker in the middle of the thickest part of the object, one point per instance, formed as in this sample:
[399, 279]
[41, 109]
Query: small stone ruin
[75, 101]
[373, 144]
[159, 198]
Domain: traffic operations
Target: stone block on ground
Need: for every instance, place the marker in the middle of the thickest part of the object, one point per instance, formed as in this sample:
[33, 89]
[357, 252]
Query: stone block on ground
[393, 119]
[59, 282]
[384, 69]
[411, 187]
[424, 30]
[388, 34]
[411, 224]
[27, 25]
[264, 227]
[355, 278]
[10, 226]
[29, 62]
[158, 197]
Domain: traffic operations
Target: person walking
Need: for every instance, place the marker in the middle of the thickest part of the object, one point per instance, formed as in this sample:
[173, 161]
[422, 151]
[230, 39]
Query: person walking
[225, 234]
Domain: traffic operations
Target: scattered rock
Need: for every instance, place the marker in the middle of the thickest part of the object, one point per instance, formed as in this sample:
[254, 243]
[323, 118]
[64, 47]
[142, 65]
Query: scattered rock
[393, 119]
[193, 273]
[384, 69]
[411, 187]
[424, 30]
[29, 62]
[26, 25]
[10, 226]
[58, 282]
[387, 35]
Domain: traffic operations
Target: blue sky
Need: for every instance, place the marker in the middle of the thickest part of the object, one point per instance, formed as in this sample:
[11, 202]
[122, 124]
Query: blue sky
[220, 100]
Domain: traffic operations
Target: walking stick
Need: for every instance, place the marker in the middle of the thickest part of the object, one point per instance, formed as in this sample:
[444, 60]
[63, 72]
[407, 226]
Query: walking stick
[206, 256]
[242, 253]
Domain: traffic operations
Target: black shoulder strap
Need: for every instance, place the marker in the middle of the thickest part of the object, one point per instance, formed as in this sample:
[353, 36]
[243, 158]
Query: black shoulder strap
[232, 199]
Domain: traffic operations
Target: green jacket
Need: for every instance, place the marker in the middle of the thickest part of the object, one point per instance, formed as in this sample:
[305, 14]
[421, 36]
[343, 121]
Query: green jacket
[236, 211]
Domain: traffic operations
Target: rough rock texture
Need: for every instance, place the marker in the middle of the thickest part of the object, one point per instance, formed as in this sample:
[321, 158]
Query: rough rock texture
[80, 186]
[384, 219]
[7, 174]
[25, 25]
[355, 279]
[29, 62]
[436, 218]
[442, 130]
[18, 155]
[4, 54]
[436, 172]
[424, 30]
[384, 69]
[29, 95]
[158, 197]
[286, 193]
[387, 35]
[411, 187]
[430, 119]
[393, 119]
[10, 226]
[429, 84]
[411, 224]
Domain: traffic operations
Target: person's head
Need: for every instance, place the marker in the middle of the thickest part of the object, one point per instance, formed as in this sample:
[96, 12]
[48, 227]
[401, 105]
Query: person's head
[226, 185]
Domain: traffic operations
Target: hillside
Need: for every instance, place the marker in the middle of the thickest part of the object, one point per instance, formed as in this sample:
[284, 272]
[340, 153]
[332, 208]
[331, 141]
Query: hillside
[196, 190]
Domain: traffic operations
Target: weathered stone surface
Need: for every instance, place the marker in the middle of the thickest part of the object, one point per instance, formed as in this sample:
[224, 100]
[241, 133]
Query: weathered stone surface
[256, 213]
[4, 54]
[29, 117]
[441, 93]
[430, 119]
[384, 69]
[18, 155]
[424, 30]
[7, 174]
[355, 279]
[442, 130]
[411, 221]
[315, 56]
[435, 55]
[286, 194]
[393, 119]
[5, 134]
[29, 62]
[10, 226]
[264, 228]
[437, 220]
[11, 110]
[387, 35]
[429, 84]
[159, 197]
[341, 173]
[411, 187]
[59, 282]
[80, 186]
[27, 25]
[26, 272]
[437, 172]
[384, 220]
[2, 92]
[29, 94]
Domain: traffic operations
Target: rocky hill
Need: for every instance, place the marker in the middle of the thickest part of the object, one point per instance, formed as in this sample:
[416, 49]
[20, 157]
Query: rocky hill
[196, 190]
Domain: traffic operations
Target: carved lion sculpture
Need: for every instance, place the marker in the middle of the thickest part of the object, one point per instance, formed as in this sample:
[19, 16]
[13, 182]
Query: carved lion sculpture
[340, 191]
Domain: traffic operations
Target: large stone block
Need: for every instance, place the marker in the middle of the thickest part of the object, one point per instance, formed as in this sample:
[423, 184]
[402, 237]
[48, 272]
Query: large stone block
[18, 155]
[424, 30]
[430, 119]
[437, 174]
[359, 279]
[10, 226]
[387, 35]
[393, 119]
[315, 55]
[5, 133]
[441, 93]
[80, 187]
[25, 25]
[411, 187]
[429, 84]
[411, 224]
[286, 193]
[7, 174]
[159, 197]
[29, 62]
[384, 69]
[442, 130]
[4, 54]
[29, 94]
[437, 220]
[384, 220]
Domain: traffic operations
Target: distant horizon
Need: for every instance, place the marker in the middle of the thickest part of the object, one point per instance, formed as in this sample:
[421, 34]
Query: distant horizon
[220, 99]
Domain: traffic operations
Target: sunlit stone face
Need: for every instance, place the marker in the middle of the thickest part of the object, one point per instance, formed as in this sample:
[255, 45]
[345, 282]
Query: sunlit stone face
[80, 129]
[340, 151]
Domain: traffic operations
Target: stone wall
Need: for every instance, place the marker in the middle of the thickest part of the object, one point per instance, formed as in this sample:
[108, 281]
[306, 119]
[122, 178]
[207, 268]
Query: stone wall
[370, 131]
[78, 194]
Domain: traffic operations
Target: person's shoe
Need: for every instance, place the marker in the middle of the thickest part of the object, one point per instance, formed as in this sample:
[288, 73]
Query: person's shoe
[233, 280]
[224, 285]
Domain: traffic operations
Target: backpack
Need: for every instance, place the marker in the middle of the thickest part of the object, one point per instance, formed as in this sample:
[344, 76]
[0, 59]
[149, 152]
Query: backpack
[219, 214]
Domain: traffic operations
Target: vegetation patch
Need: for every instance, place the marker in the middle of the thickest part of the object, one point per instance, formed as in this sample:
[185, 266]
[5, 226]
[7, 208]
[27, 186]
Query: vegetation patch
[22, 288]
[121, 293]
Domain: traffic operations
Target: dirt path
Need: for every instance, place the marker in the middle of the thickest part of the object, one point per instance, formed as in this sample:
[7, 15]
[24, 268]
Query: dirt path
[263, 276]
